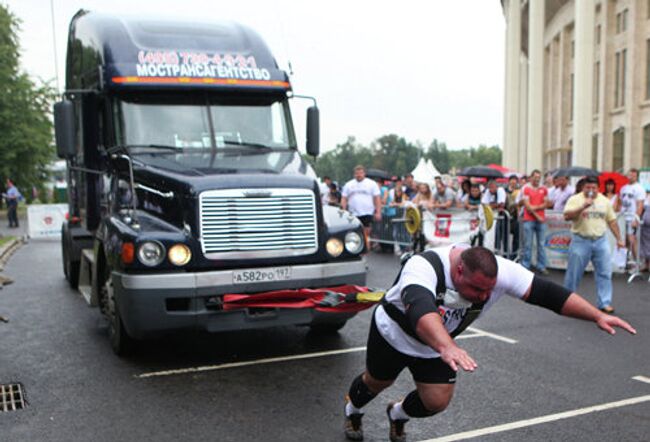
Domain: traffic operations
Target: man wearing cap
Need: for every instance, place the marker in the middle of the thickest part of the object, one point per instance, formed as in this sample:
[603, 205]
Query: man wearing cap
[591, 214]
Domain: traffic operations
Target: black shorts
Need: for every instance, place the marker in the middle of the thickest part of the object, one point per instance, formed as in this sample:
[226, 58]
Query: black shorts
[366, 220]
[384, 363]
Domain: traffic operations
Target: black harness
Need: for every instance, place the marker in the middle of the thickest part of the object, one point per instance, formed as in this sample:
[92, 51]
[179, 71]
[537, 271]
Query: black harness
[400, 318]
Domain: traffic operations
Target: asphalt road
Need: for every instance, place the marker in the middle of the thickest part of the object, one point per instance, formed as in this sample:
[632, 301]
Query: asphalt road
[535, 365]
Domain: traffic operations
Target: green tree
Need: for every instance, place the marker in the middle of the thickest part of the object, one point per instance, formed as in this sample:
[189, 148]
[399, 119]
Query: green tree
[393, 154]
[339, 163]
[25, 124]
[439, 155]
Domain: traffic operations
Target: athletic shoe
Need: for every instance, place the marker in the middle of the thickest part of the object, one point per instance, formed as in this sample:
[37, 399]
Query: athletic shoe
[352, 426]
[543, 272]
[609, 310]
[396, 432]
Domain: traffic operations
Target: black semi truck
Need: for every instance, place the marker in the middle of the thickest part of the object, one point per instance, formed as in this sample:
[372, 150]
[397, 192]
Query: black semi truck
[186, 185]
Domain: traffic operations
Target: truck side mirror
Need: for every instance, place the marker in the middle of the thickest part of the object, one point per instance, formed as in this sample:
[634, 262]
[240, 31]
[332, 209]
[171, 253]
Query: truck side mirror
[64, 128]
[313, 131]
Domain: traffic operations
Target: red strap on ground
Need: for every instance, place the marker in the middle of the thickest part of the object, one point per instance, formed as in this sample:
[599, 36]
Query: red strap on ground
[300, 298]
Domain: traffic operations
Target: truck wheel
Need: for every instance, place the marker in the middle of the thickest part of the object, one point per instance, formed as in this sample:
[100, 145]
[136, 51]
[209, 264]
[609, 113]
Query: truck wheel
[327, 328]
[70, 268]
[121, 342]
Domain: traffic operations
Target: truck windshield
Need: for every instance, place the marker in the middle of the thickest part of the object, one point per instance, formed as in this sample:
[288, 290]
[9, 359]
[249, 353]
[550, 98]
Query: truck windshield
[198, 125]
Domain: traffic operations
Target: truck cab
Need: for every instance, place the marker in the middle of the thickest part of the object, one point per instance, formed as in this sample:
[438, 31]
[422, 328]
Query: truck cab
[186, 184]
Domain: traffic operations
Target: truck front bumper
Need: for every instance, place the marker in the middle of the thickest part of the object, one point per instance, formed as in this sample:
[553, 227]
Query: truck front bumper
[153, 304]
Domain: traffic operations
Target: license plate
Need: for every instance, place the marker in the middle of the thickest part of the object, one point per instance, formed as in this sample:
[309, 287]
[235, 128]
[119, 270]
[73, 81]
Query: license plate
[261, 275]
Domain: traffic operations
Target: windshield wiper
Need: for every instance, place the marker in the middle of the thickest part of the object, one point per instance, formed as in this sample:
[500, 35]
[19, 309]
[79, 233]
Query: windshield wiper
[154, 146]
[247, 144]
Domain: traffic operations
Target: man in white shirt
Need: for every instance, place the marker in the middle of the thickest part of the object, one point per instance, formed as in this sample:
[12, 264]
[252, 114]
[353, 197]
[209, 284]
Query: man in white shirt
[560, 193]
[361, 196]
[436, 296]
[495, 197]
[630, 202]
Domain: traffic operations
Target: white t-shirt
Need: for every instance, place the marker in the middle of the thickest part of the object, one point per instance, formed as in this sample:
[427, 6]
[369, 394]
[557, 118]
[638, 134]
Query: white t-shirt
[360, 196]
[488, 197]
[629, 195]
[512, 279]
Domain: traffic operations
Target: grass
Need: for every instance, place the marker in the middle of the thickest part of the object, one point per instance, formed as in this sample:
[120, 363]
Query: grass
[6, 239]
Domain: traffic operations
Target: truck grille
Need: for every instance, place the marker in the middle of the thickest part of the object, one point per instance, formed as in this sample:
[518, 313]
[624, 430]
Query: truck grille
[258, 223]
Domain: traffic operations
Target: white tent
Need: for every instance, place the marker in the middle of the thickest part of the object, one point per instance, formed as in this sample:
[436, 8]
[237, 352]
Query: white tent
[432, 168]
[422, 173]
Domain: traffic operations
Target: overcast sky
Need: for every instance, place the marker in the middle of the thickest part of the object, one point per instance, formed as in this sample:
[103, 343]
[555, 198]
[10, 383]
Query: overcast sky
[422, 69]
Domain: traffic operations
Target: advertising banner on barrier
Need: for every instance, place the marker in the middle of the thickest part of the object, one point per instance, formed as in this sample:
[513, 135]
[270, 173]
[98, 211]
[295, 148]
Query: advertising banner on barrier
[557, 241]
[45, 220]
[443, 228]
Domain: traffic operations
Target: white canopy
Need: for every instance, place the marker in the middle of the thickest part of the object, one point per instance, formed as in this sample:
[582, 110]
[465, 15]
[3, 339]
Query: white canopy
[422, 173]
[432, 168]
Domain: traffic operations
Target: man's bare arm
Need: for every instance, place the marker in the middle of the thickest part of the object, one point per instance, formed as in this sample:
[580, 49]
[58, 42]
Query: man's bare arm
[577, 307]
[432, 331]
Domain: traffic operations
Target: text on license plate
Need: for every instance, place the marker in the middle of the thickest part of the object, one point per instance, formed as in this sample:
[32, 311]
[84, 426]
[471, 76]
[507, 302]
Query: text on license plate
[261, 275]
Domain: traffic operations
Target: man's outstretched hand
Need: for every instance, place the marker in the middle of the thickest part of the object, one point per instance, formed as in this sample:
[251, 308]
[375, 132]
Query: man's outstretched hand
[457, 358]
[608, 322]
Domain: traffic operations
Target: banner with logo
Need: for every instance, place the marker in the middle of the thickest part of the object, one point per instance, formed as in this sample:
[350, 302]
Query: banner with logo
[45, 220]
[449, 227]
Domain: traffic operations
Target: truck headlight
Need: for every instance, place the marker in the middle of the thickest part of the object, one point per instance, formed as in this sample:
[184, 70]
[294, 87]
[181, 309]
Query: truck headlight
[334, 247]
[179, 254]
[151, 253]
[353, 243]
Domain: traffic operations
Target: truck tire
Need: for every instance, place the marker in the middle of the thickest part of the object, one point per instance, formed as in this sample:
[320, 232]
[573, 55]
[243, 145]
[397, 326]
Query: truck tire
[327, 328]
[70, 268]
[121, 343]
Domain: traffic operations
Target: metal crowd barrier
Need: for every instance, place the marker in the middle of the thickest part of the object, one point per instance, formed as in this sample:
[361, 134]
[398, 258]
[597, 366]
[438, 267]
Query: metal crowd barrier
[391, 230]
[558, 240]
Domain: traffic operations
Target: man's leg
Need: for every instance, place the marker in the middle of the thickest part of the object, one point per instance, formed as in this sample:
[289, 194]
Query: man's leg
[434, 381]
[579, 255]
[602, 271]
[383, 365]
[541, 246]
[528, 243]
[631, 239]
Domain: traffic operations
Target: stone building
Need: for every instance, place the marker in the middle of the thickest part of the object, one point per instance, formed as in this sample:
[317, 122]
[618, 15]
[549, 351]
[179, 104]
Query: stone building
[577, 88]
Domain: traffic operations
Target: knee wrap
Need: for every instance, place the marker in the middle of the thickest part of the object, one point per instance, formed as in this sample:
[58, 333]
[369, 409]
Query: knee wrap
[359, 393]
[413, 406]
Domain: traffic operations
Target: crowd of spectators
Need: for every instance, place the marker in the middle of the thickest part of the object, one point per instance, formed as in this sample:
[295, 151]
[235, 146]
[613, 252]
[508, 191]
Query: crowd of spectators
[525, 199]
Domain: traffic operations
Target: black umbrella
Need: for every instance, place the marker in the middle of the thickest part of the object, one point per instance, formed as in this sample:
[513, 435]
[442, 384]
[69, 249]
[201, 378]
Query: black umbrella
[575, 171]
[481, 172]
[378, 174]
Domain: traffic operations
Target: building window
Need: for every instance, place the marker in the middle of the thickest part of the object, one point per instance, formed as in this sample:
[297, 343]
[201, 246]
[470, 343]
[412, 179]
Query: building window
[619, 87]
[594, 152]
[572, 86]
[598, 33]
[596, 87]
[621, 21]
[619, 148]
[647, 69]
[645, 161]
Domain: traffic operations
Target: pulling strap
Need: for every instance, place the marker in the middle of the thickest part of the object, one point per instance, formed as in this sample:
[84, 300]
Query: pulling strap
[400, 318]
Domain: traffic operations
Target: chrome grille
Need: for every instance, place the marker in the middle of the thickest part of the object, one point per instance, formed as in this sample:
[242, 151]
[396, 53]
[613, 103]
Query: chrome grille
[246, 223]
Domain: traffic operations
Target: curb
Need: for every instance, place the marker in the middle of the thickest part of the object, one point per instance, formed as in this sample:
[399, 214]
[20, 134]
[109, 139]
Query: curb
[8, 249]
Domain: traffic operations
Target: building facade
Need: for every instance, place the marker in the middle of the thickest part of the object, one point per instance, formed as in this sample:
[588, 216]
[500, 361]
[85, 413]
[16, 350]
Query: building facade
[577, 86]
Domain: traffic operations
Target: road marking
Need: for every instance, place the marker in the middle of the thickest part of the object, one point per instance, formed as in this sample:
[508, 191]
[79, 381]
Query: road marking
[540, 420]
[276, 359]
[492, 335]
[642, 379]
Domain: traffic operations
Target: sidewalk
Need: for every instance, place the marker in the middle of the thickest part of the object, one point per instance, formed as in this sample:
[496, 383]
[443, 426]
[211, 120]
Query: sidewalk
[18, 232]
